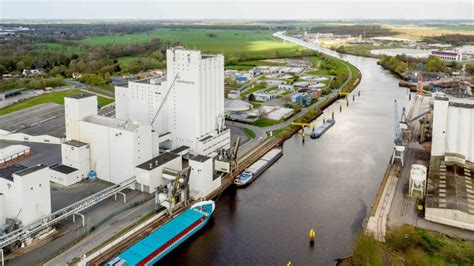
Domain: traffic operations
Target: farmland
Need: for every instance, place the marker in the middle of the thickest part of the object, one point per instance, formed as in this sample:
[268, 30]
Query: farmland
[254, 43]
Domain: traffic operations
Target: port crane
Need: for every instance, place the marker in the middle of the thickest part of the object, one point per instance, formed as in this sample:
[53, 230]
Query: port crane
[425, 127]
[398, 145]
[226, 160]
[419, 76]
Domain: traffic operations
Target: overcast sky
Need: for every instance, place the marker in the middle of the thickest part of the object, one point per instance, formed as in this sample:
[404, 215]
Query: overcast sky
[236, 9]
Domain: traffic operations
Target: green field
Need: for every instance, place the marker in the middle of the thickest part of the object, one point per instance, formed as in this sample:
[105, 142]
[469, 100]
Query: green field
[250, 133]
[361, 50]
[126, 60]
[54, 97]
[54, 47]
[229, 42]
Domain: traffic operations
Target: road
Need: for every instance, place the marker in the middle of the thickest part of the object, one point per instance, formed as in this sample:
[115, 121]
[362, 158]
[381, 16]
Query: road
[102, 233]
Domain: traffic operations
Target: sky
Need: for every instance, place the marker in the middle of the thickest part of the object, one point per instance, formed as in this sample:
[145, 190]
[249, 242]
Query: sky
[237, 9]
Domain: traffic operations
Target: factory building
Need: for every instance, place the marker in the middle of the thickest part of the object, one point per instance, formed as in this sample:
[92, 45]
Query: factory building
[114, 147]
[140, 102]
[448, 55]
[117, 146]
[183, 113]
[202, 180]
[76, 154]
[450, 194]
[24, 194]
[190, 102]
[64, 175]
[12, 153]
[153, 173]
[163, 169]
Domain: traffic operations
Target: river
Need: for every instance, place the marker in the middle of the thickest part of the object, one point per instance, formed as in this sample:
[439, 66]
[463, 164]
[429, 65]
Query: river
[327, 184]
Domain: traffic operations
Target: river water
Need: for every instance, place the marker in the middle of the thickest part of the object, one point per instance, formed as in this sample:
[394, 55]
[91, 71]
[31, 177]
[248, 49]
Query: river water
[327, 184]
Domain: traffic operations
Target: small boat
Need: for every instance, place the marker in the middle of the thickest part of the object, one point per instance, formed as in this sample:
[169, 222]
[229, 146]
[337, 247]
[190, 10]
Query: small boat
[257, 168]
[156, 245]
[323, 128]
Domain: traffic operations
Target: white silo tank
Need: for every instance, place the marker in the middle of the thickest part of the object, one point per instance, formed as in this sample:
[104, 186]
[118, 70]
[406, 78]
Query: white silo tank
[452, 131]
[463, 141]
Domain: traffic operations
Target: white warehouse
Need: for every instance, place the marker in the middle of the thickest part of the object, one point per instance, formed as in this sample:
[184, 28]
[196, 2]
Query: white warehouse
[449, 192]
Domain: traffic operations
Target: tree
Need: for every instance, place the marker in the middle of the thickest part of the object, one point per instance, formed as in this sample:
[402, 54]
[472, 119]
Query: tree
[3, 69]
[435, 64]
[20, 65]
[367, 251]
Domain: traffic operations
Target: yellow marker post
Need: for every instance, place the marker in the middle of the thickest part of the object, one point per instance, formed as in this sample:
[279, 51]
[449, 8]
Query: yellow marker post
[312, 235]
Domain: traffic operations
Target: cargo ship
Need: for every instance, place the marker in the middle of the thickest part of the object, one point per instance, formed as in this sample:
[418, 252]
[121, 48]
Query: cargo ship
[257, 168]
[323, 128]
[156, 245]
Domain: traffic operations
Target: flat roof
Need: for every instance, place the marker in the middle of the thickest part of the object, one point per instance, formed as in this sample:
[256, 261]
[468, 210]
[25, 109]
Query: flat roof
[112, 122]
[200, 158]
[75, 143]
[206, 138]
[156, 80]
[180, 149]
[80, 95]
[461, 105]
[7, 173]
[158, 161]
[447, 187]
[30, 170]
[63, 168]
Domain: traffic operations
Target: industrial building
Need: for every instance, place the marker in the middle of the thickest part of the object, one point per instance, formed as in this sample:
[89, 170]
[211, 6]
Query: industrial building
[186, 108]
[13, 153]
[450, 194]
[115, 146]
[448, 55]
[24, 195]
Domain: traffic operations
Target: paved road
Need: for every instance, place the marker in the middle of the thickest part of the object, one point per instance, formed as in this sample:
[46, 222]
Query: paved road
[122, 214]
[102, 234]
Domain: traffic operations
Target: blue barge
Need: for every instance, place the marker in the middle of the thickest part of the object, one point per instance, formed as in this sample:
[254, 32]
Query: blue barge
[156, 245]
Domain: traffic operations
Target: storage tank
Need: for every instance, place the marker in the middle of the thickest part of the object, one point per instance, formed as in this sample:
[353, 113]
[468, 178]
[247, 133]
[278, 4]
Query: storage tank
[417, 179]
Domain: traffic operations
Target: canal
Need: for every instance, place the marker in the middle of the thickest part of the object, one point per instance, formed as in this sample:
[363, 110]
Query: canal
[327, 184]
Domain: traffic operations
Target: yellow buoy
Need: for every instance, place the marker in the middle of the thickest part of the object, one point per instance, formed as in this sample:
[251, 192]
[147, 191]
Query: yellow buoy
[312, 235]
[289, 263]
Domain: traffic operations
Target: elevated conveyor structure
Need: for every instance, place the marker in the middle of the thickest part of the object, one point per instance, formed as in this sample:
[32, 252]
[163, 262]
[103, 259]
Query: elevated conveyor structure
[30, 230]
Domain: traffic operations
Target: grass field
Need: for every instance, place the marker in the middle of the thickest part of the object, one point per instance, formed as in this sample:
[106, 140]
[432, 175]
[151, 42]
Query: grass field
[54, 97]
[250, 133]
[229, 42]
[48, 46]
[126, 60]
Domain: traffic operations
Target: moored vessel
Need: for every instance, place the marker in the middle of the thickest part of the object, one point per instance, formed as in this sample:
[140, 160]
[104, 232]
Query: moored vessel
[156, 245]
